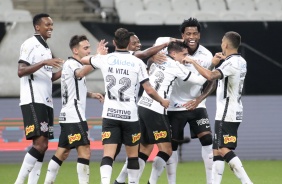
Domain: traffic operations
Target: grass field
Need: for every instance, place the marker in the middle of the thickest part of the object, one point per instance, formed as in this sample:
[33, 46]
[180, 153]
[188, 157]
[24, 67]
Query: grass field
[261, 172]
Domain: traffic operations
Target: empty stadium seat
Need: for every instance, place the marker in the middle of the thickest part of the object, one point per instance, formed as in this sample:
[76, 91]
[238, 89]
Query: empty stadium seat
[176, 18]
[148, 18]
[240, 5]
[18, 16]
[6, 5]
[232, 16]
[126, 10]
[206, 15]
[262, 16]
[160, 6]
[271, 6]
[212, 5]
[184, 5]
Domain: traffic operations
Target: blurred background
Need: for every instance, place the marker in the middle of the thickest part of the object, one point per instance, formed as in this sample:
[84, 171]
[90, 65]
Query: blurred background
[258, 21]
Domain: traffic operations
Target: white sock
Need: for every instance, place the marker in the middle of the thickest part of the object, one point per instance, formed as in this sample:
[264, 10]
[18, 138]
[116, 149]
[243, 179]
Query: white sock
[123, 173]
[142, 164]
[207, 156]
[171, 166]
[217, 171]
[238, 169]
[83, 173]
[35, 173]
[133, 176]
[157, 169]
[27, 165]
[106, 172]
[52, 171]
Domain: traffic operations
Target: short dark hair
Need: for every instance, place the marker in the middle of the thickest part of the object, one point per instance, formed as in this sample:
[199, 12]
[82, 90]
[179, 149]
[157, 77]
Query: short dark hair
[37, 18]
[74, 41]
[191, 22]
[121, 38]
[177, 46]
[234, 38]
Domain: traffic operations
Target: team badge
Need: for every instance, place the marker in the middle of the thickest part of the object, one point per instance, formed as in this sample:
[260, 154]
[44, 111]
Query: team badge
[44, 127]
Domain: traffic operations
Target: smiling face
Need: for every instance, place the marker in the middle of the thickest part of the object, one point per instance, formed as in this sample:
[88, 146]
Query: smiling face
[134, 43]
[191, 37]
[44, 27]
[82, 49]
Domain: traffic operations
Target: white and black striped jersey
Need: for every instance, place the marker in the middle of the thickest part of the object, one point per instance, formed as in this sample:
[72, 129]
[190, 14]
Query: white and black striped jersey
[186, 91]
[74, 92]
[36, 87]
[121, 72]
[162, 77]
[229, 89]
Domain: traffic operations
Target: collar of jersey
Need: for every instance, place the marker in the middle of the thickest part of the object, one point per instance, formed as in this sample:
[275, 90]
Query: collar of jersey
[74, 59]
[228, 57]
[122, 51]
[41, 40]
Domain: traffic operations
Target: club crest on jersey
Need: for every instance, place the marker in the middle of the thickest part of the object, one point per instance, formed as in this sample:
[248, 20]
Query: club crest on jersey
[159, 135]
[44, 127]
[136, 137]
[29, 129]
[74, 137]
[106, 135]
[228, 139]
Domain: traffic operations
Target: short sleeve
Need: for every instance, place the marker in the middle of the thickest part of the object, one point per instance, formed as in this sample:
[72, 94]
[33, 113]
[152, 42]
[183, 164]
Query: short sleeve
[97, 61]
[142, 74]
[26, 52]
[227, 69]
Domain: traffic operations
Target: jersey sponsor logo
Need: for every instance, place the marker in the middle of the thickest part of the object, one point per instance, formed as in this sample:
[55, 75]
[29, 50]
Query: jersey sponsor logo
[136, 137]
[29, 129]
[177, 105]
[48, 68]
[204, 121]
[51, 129]
[113, 60]
[105, 135]
[49, 100]
[44, 127]
[74, 137]
[159, 135]
[228, 139]
[117, 113]
[239, 115]
[146, 101]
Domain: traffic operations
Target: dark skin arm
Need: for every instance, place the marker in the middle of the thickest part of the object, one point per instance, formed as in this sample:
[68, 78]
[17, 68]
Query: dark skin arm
[150, 51]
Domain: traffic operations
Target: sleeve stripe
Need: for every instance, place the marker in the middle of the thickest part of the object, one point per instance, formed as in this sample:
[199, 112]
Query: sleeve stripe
[145, 80]
[25, 62]
[189, 74]
[220, 73]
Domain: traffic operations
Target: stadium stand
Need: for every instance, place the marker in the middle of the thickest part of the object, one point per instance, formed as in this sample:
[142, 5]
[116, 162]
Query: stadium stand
[126, 10]
[184, 5]
[147, 17]
[240, 5]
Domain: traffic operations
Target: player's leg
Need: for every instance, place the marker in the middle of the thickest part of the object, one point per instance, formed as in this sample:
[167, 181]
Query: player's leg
[36, 123]
[123, 173]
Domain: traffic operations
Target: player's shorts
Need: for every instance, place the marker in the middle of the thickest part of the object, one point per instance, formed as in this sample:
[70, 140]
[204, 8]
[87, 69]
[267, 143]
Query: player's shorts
[73, 135]
[198, 120]
[225, 134]
[38, 120]
[154, 126]
[117, 132]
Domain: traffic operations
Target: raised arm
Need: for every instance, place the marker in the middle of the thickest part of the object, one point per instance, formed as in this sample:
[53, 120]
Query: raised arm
[150, 51]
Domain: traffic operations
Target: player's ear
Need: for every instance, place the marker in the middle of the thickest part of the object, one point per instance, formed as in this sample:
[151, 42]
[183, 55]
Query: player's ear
[114, 43]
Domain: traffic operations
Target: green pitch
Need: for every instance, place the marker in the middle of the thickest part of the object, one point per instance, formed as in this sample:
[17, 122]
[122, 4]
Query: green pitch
[261, 172]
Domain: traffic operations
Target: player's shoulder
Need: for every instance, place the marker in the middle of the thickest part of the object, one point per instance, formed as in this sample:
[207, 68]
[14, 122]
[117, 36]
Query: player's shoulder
[204, 51]
[30, 42]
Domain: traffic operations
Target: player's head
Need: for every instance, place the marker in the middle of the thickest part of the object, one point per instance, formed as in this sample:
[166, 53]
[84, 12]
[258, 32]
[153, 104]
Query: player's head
[80, 46]
[121, 38]
[134, 42]
[177, 50]
[191, 31]
[231, 41]
[43, 25]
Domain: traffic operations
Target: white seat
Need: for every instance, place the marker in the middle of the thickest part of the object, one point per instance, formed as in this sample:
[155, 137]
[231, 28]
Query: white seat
[271, 6]
[18, 16]
[126, 10]
[240, 5]
[160, 6]
[262, 16]
[176, 18]
[184, 5]
[108, 4]
[212, 5]
[206, 15]
[6, 5]
[148, 18]
[232, 16]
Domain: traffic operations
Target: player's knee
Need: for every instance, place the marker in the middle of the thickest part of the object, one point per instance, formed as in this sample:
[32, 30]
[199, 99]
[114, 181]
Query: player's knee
[206, 140]
[132, 163]
[107, 161]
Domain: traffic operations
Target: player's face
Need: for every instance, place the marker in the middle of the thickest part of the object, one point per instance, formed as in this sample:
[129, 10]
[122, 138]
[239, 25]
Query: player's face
[45, 27]
[134, 43]
[191, 37]
[83, 49]
[179, 56]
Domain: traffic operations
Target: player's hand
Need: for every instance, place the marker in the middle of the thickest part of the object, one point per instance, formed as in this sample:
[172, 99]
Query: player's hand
[102, 49]
[55, 62]
[192, 104]
[188, 60]
[165, 103]
[217, 57]
[98, 96]
[159, 58]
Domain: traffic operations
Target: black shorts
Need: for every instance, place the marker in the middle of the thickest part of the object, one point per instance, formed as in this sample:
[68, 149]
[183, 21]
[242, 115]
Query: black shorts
[73, 135]
[225, 135]
[198, 120]
[154, 126]
[38, 120]
[117, 132]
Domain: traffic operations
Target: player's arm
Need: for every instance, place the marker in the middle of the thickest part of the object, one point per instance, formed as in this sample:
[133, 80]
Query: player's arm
[81, 72]
[150, 51]
[97, 96]
[101, 50]
[56, 76]
[154, 95]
